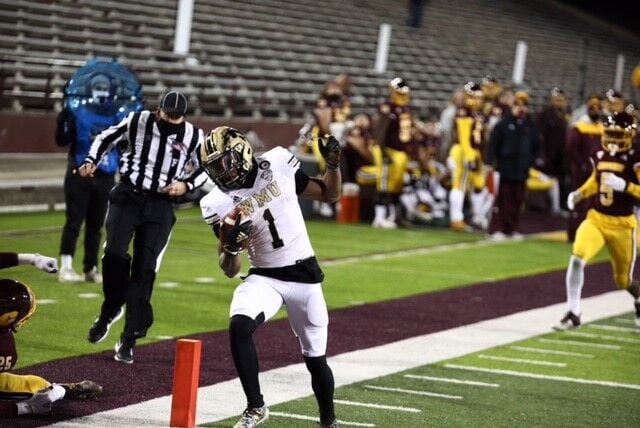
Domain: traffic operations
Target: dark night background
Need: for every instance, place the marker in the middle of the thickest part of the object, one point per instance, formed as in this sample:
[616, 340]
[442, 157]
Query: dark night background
[622, 13]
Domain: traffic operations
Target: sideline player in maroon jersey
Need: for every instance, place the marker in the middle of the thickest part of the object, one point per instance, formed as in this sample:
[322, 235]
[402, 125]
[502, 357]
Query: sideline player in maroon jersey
[27, 394]
[614, 185]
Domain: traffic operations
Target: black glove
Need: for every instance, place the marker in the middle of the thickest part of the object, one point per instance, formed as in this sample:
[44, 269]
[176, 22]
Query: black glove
[330, 150]
[236, 237]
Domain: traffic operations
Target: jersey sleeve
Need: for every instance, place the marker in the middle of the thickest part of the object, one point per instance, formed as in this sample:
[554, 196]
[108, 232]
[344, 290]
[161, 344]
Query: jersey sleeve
[634, 188]
[302, 180]
[214, 207]
[284, 158]
[8, 260]
[108, 139]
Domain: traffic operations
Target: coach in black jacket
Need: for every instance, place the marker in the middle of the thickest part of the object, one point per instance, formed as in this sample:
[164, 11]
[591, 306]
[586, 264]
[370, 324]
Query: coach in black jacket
[159, 148]
[513, 148]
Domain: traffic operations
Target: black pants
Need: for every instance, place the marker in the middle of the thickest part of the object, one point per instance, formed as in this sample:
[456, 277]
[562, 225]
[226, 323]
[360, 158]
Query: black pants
[507, 207]
[86, 202]
[147, 219]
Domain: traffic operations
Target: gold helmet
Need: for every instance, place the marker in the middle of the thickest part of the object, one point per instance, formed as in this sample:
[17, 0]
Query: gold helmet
[491, 88]
[227, 157]
[474, 97]
[619, 132]
[521, 98]
[399, 92]
[614, 101]
[17, 304]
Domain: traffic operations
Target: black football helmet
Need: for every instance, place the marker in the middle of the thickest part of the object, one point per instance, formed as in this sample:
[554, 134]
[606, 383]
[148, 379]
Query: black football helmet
[619, 132]
[17, 304]
[227, 157]
[399, 91]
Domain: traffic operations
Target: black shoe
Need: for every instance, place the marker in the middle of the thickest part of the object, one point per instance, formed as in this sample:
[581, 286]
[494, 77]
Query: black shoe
[81, 390]
[100, 327]
[637, 320]
[124, 350]
[569, 321]
[332, 424]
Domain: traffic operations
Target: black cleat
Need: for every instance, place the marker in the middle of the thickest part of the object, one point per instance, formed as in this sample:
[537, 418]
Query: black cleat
[637, 320]
[124, 350]
[568, 322]
[100, 327]
[81, 390]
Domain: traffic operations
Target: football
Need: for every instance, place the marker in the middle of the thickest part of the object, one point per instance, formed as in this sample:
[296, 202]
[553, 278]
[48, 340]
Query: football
[229, 222]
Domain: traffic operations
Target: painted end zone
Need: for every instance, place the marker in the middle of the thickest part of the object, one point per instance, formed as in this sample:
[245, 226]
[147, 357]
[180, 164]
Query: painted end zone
[226, 399]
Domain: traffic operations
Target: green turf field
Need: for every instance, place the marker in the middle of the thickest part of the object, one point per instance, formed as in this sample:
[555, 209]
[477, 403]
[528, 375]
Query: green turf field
[191, 294]
[545, 381]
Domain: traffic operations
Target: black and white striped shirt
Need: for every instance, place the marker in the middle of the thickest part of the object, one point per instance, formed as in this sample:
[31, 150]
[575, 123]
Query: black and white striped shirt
[152, 159]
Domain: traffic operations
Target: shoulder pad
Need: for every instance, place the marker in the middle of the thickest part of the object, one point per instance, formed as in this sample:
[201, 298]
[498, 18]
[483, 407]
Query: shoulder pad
[589, 128]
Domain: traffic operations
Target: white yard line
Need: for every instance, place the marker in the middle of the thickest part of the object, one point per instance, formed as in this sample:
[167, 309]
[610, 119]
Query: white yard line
[226, 399]
[608, 327]
[414, 392]
[311, 418]
[624, 320]
[377, 406]
[404, 253]
[521, 361]
[551, 351]
[602, 337]
[545, 377]
[578, 343]
[449, 380]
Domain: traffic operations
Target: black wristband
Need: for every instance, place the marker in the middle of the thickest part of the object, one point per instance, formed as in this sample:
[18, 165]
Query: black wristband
[332, 166]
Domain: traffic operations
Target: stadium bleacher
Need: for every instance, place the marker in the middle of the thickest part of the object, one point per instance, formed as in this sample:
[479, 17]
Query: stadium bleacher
[268, 58]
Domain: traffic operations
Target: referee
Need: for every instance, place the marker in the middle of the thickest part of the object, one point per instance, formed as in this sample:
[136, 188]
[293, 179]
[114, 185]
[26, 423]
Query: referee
[159, 148]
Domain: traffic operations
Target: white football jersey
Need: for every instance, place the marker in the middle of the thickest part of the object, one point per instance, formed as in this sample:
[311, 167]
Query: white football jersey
[279, 235]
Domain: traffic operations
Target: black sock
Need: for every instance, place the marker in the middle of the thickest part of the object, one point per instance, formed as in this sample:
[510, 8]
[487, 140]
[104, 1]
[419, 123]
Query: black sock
[245, 357]
[323, 386]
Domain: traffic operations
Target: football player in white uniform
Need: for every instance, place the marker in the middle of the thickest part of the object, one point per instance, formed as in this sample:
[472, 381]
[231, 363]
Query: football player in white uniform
[254, 206]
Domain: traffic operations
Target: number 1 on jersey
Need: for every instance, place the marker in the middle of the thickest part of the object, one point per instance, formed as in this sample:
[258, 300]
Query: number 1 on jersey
[276, 241]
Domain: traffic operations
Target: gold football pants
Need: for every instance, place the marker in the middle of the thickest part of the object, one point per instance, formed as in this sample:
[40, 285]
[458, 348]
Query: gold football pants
[390, 177]
[461, 175]
[12, 384]
[618, 233]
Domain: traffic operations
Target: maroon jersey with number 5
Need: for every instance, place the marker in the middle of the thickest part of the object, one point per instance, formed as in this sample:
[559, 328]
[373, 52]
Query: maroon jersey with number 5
[623, 165]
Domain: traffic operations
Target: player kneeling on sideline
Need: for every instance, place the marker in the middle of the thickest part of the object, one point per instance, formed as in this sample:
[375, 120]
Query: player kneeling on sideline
[27, 394]
[615, 183]
[255, 207]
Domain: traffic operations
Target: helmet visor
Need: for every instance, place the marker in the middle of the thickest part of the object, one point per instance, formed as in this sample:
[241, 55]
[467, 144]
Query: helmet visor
[224, 168]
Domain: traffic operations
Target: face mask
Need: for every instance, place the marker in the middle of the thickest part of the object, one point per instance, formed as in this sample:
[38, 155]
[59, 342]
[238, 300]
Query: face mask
[594, 116]
[166, 127]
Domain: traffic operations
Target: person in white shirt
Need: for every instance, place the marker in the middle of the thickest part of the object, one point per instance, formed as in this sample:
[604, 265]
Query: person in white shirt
[254, 207]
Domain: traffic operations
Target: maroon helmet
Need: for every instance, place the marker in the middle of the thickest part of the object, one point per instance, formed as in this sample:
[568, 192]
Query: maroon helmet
[17, 304]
